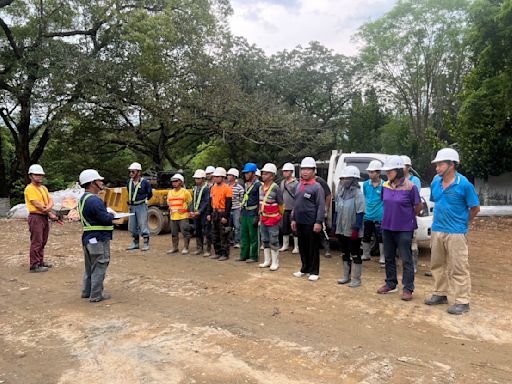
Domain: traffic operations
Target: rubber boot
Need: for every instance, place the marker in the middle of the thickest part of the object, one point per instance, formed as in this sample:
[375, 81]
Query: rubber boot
[266, 262]
[295, 245]
[346, 273]
[145, 247]
[286, 243]
[415, 260]
[134, 245]
[382, 259]
[184, 251]
[275, 260]
[175, 242]
[208, 251]
[327, 246]
[367, 247]
[356, 280]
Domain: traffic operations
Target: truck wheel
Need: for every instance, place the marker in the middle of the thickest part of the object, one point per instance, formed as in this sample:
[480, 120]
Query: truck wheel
[157, 222]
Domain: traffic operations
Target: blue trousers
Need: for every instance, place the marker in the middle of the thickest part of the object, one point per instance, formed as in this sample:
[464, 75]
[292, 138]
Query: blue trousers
[401, 241]
[138, 223]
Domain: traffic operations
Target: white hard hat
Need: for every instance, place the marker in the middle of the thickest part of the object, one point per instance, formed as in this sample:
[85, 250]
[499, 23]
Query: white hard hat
[375, 165]
[199, 174]
[406, 159]
[88, 176]
[219, 172]
[447, 154]
[288, 167]
[233, 172]
[269, 167]
[209, 169]
[308, 162]
[393, 162]
[350, 171]
[35, 169]
[177, 176]
[135, 167]
[257, 173]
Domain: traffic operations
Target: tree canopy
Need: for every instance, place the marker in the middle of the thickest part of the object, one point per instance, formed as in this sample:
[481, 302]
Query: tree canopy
[165, 82]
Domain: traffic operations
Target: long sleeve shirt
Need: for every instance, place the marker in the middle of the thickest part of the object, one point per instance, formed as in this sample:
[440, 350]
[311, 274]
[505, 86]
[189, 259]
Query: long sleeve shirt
[309, 206]
[139, 192]
[200, 199]
[95, 214]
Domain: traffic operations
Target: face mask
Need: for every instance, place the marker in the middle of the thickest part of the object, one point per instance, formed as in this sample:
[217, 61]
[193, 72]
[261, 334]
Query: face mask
[346, 183]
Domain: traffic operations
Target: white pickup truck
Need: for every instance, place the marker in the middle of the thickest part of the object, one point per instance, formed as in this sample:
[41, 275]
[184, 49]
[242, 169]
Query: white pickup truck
[331, 169]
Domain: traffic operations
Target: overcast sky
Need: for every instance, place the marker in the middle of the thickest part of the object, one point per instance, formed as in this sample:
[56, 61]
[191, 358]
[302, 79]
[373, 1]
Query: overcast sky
[274, 25]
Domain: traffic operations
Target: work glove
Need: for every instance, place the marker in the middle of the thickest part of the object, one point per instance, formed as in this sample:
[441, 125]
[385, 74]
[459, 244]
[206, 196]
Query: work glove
[256, 221]
[355, 234]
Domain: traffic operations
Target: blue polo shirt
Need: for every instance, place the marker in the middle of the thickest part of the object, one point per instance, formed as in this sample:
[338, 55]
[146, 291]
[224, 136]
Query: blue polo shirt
[374, 203]
[416, 182]
[451, 212]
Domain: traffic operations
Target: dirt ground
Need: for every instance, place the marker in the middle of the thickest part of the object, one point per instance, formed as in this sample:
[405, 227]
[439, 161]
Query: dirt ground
[188, 319]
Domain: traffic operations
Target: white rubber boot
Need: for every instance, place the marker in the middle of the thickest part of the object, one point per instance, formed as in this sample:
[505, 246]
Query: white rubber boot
[367, 247]
[356, 275]
[275, 260]
[295, 245]
[266, 263]
[382, 259]
[286, 243]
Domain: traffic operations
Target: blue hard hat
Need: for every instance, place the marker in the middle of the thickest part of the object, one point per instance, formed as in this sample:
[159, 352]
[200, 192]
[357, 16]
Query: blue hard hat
[250, 167]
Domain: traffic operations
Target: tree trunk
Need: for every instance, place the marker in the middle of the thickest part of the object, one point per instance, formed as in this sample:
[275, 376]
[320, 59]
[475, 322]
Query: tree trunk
[4, 185]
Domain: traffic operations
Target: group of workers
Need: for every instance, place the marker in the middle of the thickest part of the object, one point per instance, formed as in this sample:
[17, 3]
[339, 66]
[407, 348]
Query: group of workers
[225, 212]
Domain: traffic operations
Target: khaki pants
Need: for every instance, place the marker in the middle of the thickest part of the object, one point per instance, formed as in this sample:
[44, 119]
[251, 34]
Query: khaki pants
[450, 265]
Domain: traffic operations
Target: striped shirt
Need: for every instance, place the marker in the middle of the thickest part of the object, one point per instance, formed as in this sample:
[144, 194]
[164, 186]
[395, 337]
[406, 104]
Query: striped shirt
[238, 195]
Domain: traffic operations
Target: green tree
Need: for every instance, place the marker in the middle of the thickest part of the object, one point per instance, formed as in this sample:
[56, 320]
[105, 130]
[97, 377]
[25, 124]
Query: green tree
[417, 55]
[484, 133]
[365, 119]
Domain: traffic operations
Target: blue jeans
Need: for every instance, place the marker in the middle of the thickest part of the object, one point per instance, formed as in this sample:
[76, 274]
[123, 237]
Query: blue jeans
[138, 223]
[270, 236]
[235, 223]
[401, 241]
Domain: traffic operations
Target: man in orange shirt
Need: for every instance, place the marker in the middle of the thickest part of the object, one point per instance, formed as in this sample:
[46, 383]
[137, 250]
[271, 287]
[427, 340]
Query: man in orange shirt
[39, 204]
[179, 200]
[219, 212]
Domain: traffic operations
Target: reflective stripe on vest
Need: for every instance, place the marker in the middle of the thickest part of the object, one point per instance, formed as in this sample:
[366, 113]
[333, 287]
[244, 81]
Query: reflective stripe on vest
[265, 197]
[131, 199]
[177, 207]
[198, 200]
[86, 225]
[246, 199]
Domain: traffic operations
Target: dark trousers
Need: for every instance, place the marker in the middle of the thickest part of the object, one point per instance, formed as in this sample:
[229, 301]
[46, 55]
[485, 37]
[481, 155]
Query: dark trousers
[401, 241]
[39, 228]
[200, 229]
[372, 228]
[351, 249]
[309, 246]
[207, 231]
[220, 235]
[97, 258]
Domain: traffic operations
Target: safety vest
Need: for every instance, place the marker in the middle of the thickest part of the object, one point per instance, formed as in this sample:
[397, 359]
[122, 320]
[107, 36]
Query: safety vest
[246, 199]
[131, 198]
[264, 202]
[198, 200]
[85, 224]
[176, 203]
